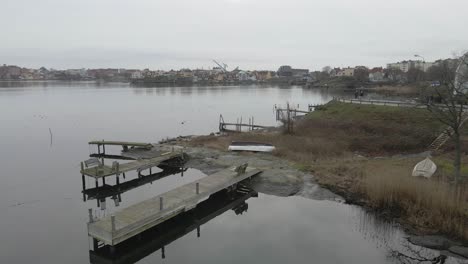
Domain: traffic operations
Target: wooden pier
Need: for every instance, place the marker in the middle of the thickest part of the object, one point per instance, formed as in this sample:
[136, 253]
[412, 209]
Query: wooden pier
[159, 237]
[142, 216]
[237, 127]
[115, 191]
[98, 170]
[288, 112]
[125, 145]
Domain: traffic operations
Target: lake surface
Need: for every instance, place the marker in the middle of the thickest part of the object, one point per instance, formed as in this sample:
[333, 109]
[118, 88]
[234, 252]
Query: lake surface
[45, 127]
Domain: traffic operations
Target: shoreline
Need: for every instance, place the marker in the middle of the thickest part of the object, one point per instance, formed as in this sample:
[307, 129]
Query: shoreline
[275, 183]
[351, 173]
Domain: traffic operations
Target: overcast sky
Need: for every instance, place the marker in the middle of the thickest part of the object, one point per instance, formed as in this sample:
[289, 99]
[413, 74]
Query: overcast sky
[252, 34]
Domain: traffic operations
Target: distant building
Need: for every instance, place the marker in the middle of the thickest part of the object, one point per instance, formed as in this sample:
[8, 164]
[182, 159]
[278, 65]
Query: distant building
[136, 75]
[346, 72]
[376, 74]
[77, 72]
[288, 71]
[264, 75]
[405, 66]
[285, 71]
[300, 73]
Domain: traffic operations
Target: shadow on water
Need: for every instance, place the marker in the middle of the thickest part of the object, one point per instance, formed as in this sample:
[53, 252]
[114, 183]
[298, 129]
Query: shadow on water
[169, 231]
[114, 192]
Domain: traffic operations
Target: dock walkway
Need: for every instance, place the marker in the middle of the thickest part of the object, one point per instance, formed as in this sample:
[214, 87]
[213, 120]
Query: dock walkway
[124, 144]
[104, 170]
[142, 216]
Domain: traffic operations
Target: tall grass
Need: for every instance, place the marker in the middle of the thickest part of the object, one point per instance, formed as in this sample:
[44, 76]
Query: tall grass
[433, 204]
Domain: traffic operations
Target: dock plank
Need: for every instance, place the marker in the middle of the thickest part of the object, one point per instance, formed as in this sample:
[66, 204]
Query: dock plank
[146, 214]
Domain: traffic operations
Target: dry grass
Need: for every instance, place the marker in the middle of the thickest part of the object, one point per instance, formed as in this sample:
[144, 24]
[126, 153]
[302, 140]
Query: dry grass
[326, 142]
[430, 204]
[397, 90]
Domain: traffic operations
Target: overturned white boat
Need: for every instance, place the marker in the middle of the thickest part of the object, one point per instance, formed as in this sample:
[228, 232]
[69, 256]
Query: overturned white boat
[250, 146]
[425, 168]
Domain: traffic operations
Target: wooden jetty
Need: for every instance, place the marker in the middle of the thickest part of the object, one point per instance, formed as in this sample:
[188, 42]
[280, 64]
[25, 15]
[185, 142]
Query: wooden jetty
[125, 145]
[114, 191]
[98, 170]
[288, 112]
[133, 220]
[159, 237]
[237, 127]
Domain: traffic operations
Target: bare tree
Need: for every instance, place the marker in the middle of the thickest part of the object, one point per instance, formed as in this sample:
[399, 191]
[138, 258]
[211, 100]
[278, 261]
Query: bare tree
[361, 73]
[450, 105]
[327, 69]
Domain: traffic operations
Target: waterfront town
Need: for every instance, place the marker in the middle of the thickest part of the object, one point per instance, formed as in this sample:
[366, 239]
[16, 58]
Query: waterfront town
[408, 71]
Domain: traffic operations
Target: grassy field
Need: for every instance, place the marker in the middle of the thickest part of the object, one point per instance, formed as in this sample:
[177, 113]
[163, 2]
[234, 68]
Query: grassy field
[339, 144]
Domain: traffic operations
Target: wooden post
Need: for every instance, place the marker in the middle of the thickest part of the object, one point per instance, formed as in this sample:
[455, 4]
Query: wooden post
[103, 181]
[95, 244]
[83, 176]
[90, 213]
[198, 231]
[113, 222]
[163, 253]
[97, 184]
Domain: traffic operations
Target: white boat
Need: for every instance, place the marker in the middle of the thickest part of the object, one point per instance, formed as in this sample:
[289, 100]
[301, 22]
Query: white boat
[251, 146]
[425, 168]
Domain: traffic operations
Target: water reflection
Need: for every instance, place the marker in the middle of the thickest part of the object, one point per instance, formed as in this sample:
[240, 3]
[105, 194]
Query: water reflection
[114, 192]
[167, 232]
[389, 236]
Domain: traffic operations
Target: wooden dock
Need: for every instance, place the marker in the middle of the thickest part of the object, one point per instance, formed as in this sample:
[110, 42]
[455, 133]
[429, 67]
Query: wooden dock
[237, 127]
[142, 216]
[102, 170]
[159, 237]
[125, 145]
[115, 191]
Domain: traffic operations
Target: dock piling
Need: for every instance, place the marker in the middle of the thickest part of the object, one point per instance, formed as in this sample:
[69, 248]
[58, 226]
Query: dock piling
[113, 222]
[90, 213]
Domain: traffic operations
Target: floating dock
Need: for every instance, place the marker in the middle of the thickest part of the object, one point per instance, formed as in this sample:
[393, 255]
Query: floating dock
[133, 220]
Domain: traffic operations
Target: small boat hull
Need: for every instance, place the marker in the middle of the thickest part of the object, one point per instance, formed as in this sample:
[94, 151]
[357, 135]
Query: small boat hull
[251, 146]
[425, 168]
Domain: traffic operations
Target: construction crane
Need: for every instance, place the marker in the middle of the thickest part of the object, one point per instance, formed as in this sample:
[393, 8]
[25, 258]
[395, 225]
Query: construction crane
[222, 66]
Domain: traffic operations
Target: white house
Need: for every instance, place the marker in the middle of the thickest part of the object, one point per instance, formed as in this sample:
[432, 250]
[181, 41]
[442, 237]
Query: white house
[137, 75]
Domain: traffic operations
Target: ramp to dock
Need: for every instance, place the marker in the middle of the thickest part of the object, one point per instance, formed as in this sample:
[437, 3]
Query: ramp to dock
[133, 220]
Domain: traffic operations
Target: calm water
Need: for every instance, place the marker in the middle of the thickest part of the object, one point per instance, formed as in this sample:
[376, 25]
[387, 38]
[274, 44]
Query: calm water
[43, 216]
